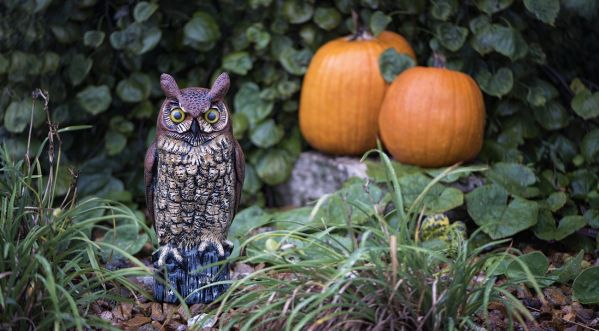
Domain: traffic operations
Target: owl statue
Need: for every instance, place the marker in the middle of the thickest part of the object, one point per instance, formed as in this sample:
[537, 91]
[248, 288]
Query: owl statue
[194, 173]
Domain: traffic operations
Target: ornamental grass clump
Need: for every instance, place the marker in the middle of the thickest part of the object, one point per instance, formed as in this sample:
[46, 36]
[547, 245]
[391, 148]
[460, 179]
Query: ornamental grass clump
[370, 276]
[50, 269]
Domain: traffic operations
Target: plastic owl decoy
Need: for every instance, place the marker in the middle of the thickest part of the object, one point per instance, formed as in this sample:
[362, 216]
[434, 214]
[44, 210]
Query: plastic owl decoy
[194, 173]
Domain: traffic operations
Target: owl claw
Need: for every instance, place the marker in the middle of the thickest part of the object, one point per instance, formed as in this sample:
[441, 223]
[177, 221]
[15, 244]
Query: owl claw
[167, 251]
[219, 245]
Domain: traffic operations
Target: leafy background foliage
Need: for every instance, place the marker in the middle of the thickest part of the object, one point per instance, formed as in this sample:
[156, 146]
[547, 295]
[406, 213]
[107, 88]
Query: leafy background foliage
[100, 61]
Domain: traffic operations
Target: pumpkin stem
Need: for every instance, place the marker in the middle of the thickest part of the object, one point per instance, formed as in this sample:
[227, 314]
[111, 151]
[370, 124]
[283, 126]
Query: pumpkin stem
[362, 32]
[439, 60]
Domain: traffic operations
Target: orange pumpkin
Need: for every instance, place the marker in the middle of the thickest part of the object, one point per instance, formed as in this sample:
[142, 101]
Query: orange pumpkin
[398, 42]
[432, 117]
[342, 94]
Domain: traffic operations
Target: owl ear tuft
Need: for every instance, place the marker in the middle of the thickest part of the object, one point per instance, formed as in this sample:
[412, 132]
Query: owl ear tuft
[219, 87]
[169, 86]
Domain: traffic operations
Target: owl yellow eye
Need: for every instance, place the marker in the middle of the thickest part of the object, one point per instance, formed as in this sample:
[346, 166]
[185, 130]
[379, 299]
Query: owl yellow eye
[177, 115]
[212, 116]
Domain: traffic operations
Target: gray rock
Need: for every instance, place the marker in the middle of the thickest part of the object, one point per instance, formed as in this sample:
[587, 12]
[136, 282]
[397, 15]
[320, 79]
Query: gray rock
[202, 321]
[314, 175]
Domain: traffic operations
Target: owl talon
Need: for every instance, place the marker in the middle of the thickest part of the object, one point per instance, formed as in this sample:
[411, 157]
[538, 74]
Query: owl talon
[218, 245]
[167, 251]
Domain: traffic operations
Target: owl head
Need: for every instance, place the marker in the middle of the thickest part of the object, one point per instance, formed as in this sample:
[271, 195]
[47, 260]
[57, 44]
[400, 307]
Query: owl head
[194, 114]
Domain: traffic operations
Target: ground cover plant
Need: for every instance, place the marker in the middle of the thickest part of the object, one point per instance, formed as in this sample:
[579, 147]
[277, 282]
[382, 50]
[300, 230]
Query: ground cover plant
[343, 271]
[351, 262]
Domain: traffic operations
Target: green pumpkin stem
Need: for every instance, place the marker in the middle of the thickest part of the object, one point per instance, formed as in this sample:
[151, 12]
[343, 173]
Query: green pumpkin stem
[439, 60]
[362, 32]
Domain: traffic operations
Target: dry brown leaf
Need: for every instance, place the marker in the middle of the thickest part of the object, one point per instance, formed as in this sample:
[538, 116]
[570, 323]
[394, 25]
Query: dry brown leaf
[157, 314]
[126, 308]
[137, 321]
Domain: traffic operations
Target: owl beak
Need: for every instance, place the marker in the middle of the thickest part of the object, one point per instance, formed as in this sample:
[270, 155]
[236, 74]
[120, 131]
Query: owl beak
[195, 127]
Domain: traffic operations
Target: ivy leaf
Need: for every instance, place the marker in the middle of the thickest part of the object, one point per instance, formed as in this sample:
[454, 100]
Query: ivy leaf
[544, 10]
[240, 125]
[126, 237]
[514, 177]
[492, 6]
[148, 40]
[546, 228]
[17, 116]
[592, 217]
[489, 208]
[590, 146]
[78, 68]
[118, 39]
[540, 92]
[93, 38]
[134, 89]
[143, 10]
[443, 9]
[95, 99]
[586, 105]
[202, 28]
[586, 286]
[238, 62]
[449, 199]
[392, 63]
[570, 269]
[568, 225]
[246, 220]
[556, 200]
[582, 181]
[537, 263]
[478, 23]
[438, 199]
[297, 11]
[378, 22]
[350, 203]
[120, 124]
[267, 134]
[451, 36]
[504, 40]
[552, 116]
[257, 35]
[115, 142]
[327, 18]
[295, 62]
[248, 101]
[65, 33]
[577, 86]
[251, 182]
[274, 167]
[498, 84]
[287, 88]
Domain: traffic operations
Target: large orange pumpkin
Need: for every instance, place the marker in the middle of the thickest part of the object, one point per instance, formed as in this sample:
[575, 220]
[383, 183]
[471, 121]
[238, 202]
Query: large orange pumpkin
[342, 94]
[432, 117]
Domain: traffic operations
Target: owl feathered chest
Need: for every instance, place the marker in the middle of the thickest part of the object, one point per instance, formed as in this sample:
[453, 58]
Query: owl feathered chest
[195, 189]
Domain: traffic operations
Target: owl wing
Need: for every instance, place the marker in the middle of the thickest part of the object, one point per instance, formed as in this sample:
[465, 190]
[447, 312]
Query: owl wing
[150, 165]
[239, 173]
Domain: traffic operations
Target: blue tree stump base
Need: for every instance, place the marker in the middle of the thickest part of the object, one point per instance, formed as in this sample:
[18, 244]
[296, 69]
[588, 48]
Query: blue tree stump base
[191, 274]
